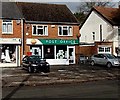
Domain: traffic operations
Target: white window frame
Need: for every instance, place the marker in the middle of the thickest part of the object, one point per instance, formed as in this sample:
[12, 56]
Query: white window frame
[70, 31]
[37, 27]
[7, 30]
[93, 36]
[104, 49]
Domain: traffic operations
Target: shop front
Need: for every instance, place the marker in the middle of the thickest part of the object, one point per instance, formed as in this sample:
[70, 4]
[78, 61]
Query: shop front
[10, 52]
[55, 51]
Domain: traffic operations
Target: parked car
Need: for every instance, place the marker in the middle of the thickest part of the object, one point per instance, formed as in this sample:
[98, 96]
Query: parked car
[104, 59]
[83, 59]
[35, 63]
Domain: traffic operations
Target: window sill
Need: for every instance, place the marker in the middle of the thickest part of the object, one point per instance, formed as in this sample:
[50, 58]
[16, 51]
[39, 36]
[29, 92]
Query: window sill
[39, 35]
[65, 35]
[7, 33]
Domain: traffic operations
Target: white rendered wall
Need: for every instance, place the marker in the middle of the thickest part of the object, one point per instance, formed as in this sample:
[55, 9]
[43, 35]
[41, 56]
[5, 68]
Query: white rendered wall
[92, 24]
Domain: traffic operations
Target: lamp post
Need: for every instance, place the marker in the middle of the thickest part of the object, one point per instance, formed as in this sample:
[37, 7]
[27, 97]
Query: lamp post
[78, 38]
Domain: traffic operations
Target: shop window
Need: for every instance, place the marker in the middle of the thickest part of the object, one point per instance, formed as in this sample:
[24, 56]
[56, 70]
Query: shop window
[61, 52]
[7, 26]
[40, 30]
[8, 54]
[65, 31]
[49, 52]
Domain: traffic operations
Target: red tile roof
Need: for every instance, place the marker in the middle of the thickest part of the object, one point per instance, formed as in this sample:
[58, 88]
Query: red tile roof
[110, 14]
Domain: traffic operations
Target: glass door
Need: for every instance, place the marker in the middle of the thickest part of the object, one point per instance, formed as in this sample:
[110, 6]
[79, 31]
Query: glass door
[71, 54]
[36, 51]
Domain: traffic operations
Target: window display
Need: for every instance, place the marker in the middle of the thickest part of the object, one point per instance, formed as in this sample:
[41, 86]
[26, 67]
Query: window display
[61, 52]
[49, 52]
[8, 53]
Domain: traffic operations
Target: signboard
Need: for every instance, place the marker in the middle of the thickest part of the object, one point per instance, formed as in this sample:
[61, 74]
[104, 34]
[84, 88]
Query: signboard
[59, 41]
[10, 41]
[53, 41]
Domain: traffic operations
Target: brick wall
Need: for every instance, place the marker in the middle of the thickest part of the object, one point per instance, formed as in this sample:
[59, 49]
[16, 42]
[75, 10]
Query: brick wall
[16, 31]
[52, 34]
[90, 50]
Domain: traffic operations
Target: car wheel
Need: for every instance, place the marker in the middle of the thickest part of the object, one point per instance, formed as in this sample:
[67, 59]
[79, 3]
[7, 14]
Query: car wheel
[109, 65]
[46, 70]
[35, 70]
[92, 63]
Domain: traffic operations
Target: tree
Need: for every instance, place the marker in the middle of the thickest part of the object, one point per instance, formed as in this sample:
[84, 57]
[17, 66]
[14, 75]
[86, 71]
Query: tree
[85, 8]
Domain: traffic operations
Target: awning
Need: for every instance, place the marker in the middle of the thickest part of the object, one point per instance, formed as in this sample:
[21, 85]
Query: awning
[54, 41]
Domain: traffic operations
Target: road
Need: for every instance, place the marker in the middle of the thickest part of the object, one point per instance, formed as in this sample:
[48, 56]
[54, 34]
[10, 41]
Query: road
[96, 89]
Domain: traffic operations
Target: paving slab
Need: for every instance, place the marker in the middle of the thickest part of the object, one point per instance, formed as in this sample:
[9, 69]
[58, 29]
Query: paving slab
[57, 75]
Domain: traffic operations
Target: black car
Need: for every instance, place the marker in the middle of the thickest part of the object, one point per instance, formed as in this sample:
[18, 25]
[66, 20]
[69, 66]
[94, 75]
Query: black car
[35, 63]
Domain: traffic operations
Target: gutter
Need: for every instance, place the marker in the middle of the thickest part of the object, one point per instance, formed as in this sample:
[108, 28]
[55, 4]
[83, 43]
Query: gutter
[59, 23]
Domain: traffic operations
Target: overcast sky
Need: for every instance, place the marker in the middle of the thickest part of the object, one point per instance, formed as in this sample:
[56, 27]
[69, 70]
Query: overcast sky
[72, 4]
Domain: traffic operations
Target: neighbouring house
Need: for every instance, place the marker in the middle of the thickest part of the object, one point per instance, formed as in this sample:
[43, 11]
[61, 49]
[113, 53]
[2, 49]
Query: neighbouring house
[10, 35]
[48, 30]
[101, 28]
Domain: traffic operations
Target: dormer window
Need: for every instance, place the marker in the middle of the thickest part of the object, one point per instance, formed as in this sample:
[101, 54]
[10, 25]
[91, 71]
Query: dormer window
[40, 30]
[7, 27]
[64, 31]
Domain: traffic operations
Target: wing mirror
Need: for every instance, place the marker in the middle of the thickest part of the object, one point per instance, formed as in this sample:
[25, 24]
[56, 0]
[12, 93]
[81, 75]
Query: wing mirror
[105, 58]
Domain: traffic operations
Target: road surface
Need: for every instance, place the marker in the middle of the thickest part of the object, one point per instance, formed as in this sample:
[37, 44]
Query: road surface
[97, 89]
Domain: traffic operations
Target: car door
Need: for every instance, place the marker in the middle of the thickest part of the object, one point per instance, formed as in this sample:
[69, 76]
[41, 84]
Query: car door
[97, 59]
[102, 59]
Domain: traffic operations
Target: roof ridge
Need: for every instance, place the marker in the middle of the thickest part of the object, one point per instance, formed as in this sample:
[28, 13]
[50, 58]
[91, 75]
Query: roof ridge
[106, 7]
[40, 3]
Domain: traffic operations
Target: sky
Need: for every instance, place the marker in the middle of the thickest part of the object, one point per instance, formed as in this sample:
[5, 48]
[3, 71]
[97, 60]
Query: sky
[72, 4]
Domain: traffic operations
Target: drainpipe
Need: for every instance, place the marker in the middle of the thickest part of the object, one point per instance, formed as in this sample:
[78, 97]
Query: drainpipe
[100, 33]
[22, 37]
[119, 40]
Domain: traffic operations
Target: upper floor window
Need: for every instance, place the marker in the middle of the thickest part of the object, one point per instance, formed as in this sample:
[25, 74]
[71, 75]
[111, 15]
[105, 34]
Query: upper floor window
[93, 33]
[7, 26]
[65, 31]
[41, 30]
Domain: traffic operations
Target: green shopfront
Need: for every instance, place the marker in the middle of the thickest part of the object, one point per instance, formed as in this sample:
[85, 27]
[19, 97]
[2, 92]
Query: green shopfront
[55, 51]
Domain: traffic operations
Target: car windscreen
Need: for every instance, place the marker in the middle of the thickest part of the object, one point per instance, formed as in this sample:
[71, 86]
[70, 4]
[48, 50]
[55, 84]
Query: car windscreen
[35, 58]
[110, 56]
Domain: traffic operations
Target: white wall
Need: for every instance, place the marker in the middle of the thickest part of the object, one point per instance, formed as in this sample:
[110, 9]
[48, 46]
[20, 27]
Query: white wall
[92, 24]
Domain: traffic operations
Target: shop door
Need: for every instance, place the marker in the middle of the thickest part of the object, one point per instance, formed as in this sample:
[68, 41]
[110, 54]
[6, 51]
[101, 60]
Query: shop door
[71, 54]
[36, 51]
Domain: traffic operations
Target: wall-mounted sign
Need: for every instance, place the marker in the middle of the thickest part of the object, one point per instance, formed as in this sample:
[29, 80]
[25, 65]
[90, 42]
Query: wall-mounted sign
[53, 41]
[59, 41]
[10, 41]
[33, 41]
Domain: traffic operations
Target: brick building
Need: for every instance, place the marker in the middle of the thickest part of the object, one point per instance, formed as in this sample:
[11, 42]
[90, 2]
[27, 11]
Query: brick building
[48, 30]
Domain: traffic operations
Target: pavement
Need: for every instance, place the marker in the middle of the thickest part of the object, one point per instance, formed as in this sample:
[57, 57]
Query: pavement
[69, 74]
